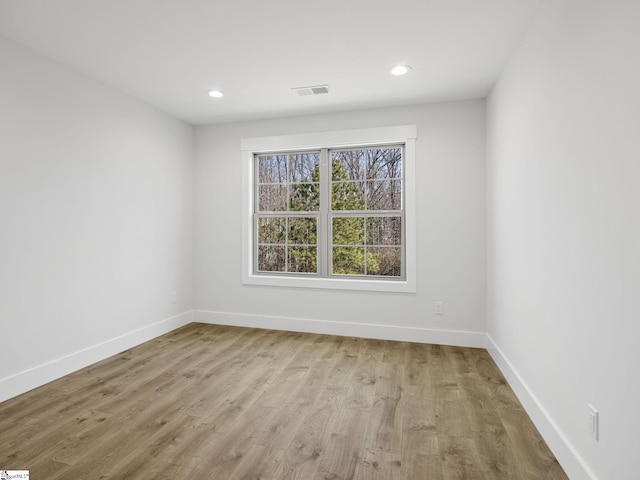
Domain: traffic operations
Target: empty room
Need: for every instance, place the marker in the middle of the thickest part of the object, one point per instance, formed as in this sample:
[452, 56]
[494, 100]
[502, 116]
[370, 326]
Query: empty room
[339, 240]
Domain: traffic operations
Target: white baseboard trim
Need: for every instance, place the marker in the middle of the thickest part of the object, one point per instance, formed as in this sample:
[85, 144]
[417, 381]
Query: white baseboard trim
[34, 377]
[347, 329]
[572, 462]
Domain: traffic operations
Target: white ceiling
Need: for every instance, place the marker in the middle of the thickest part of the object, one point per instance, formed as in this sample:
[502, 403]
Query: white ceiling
[169, 53]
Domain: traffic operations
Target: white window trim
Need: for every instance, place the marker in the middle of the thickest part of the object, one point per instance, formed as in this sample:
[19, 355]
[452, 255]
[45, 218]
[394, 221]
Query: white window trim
[405, 134]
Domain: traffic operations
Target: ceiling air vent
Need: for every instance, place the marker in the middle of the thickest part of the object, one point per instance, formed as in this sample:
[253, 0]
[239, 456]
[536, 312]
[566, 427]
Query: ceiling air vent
[314, 90]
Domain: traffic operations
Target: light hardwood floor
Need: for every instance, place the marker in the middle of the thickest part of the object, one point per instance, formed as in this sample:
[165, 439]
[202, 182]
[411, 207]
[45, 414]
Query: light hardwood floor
[217, 402]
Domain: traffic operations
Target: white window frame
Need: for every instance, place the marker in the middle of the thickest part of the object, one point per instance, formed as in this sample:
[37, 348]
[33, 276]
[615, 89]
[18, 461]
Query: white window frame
[402, 134]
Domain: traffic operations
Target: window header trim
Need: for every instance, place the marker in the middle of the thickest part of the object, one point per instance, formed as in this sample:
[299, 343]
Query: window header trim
[334, 139]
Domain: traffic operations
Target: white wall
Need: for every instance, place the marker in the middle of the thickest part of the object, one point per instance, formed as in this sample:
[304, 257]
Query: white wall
[564, 229]
[450, 232]
[96, 206]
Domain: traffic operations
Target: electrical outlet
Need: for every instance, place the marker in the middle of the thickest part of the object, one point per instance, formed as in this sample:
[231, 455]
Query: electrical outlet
[593, 421]
[174, 297]
[438, 308]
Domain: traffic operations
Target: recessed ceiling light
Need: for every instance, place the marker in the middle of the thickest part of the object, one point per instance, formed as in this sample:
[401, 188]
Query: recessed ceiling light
[215, 93]
[400, 70]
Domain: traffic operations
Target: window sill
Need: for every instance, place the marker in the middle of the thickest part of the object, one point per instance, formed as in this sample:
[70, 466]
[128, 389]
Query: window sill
[377, 285]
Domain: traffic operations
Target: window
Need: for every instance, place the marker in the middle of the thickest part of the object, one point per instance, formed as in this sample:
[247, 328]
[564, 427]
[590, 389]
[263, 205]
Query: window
[287, 203]
[363, 212]
[331, 210]
[366, 212]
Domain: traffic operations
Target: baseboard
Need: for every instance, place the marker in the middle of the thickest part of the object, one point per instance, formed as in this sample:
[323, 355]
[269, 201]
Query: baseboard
[34, 377]
[350, 329]
[572, 463]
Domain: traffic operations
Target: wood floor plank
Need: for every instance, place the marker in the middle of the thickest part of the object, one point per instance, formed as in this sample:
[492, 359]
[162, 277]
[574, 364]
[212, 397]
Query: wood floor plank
[530, 450]
[224, 456]
[362, 384]
[43, 467]
[487, 430]
[260, 463]
[147, 458]
[416, 370]
[27, 407]
[220, 402]
[183, 443]
[68, 448]
[284, 425]
[420, 448]
[345, 448]
[340, 459]
[460, 459]
[347, 360]
[378, 465]
[385, 423]
[418, 466]
[156, 470]
[396, 353]
[302, 457]
[384, 431]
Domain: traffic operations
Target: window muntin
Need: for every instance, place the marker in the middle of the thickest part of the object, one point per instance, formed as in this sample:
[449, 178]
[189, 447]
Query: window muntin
[363, 219]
